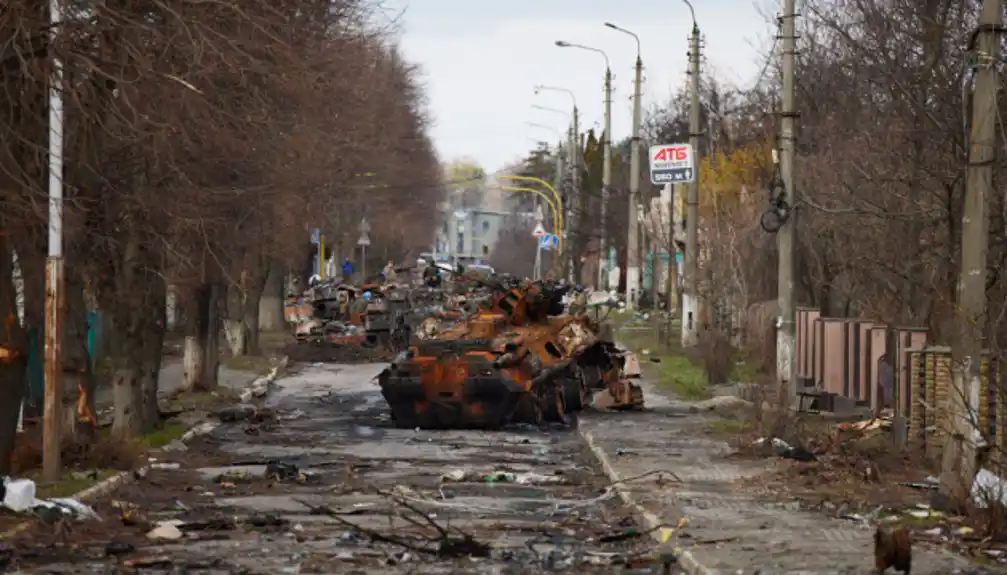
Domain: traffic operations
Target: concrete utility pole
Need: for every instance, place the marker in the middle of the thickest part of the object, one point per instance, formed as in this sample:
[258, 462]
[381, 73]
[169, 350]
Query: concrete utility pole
[575, 206]
[668, 198]
[606, 183]
[51, 417]
[536, 273]
[959, 463]
[786, 333]
[607, 168]
[633, 232]
[633, 238]
[690, 307]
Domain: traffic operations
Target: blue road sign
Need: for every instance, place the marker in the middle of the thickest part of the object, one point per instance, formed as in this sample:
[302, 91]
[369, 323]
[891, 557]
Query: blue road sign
[548, 241]
[315, 236]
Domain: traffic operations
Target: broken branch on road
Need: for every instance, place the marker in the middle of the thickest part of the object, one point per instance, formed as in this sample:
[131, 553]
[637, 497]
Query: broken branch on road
[447, 546]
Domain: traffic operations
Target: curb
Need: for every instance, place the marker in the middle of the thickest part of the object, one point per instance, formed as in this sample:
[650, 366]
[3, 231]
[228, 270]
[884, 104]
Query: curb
[686, 560]
[260, 385]
[257, 388]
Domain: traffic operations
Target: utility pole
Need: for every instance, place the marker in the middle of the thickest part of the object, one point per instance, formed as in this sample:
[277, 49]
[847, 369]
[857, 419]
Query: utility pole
[606, 183]
[786, 334]
[576, 206]
[557, 183]
[690, 307]
[51, 417]
[668, 198]
[536, 273]
[633, 232]
[959, 463]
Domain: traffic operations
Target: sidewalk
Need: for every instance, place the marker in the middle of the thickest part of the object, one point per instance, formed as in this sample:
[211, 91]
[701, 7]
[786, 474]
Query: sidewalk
[170, 380]
[728, 531]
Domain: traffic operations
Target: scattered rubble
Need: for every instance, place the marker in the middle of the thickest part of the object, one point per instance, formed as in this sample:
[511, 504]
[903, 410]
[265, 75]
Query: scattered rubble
[18, 495]
[853, 472]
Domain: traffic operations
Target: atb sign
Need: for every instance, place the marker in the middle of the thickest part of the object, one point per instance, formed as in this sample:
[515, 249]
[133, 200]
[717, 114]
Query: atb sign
[672, 164]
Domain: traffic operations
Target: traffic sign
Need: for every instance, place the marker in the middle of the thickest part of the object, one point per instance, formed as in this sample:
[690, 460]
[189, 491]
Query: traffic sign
[539, 230]
[672, 164]
[364, 240]
[316, 236]
[548, 242]
[365, 227]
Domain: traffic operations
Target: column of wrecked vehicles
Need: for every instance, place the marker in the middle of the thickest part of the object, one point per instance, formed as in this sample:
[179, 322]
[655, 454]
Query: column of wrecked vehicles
[477, 352]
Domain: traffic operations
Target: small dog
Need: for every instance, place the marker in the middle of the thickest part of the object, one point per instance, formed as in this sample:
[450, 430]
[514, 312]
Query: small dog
[893, 548]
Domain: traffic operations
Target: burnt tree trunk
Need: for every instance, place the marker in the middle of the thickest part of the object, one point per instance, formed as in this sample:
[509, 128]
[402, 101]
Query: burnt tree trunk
[210, 338]
[79, 414]
[13, 357]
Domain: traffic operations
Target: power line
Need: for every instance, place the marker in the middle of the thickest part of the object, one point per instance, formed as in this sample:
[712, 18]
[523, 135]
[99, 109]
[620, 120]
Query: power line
[443, 184]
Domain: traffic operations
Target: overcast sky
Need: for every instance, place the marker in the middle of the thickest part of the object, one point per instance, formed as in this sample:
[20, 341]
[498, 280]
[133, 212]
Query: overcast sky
[481, 60]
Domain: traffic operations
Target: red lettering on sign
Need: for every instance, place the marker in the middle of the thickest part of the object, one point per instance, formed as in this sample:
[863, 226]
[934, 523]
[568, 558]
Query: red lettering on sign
[672, 154]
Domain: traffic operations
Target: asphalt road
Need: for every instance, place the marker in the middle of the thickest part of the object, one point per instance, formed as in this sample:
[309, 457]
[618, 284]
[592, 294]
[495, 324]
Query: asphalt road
[353, 494]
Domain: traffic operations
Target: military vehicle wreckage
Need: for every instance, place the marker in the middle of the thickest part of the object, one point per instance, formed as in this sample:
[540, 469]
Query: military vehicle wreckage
[520, 357]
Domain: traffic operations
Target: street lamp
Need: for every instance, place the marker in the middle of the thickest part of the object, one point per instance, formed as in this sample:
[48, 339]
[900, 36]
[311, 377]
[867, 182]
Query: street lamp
[692, 12]
[574, 162]
[541, 88]
[544, 127]
[634, 239]
[606, 175]
[553, 110]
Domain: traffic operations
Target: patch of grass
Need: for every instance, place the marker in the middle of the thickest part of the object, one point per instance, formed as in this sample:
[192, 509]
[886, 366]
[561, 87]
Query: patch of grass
[678, 373]
[637, 339]
[71, 483]
[728, 427]
[745, 372]
[203, 400]
[669, 366]
[169, 432]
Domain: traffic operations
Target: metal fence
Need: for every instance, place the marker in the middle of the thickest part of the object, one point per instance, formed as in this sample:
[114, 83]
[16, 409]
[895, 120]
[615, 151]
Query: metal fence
[860, 359]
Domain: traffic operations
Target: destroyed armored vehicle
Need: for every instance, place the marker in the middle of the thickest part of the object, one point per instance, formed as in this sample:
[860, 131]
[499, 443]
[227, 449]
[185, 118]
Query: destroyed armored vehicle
[520, 358]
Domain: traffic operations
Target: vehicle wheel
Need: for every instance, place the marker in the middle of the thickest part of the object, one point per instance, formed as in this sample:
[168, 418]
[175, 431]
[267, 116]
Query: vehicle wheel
[529, 410]
[403, 420]
[573, 395]
[554, 405]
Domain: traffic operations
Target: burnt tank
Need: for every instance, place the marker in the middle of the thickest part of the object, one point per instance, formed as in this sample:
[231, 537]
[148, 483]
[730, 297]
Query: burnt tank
[518, 358]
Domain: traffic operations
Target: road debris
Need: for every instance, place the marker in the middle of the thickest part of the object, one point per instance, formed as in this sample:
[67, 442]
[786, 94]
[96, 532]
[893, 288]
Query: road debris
[18, 495]
[341, 489]
[893, 548]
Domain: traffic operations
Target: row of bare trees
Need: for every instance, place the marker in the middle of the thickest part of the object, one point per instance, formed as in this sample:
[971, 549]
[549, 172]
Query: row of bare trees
[203, 140]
